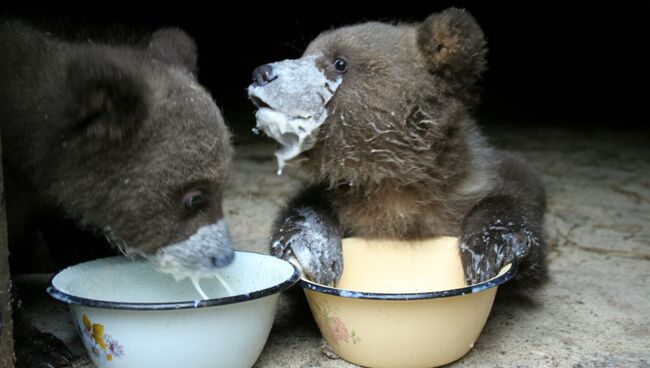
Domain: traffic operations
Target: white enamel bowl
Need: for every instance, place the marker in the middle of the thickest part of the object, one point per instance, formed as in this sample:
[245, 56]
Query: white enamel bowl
[130, 315]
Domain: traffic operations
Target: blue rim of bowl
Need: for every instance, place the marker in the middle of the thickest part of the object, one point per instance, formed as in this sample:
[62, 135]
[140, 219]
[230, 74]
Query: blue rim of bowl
[488, 284]
[72, 299]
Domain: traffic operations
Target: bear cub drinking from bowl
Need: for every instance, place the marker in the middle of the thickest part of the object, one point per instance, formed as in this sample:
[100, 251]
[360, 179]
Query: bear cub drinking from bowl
[119, 138]
[379, 118]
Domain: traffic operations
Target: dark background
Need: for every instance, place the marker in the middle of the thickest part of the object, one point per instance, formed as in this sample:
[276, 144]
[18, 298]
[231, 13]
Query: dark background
[549, 62]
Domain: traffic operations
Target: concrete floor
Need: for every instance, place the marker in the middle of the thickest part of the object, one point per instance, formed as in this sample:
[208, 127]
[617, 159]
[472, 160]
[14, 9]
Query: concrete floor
[594, 312]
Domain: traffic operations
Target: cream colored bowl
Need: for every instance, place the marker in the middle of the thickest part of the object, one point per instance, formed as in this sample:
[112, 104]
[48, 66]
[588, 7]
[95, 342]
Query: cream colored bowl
[402, 304]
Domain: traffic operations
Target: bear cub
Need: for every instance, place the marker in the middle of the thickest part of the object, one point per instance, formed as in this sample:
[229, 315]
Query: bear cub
[119, 139]
[379, 119]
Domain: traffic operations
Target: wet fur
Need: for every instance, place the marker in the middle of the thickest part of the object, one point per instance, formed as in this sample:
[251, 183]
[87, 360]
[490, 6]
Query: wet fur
[400, 155]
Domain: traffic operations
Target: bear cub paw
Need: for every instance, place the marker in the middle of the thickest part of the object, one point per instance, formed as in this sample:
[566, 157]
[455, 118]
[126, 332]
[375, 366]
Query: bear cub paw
[307, 239]
[485, 252]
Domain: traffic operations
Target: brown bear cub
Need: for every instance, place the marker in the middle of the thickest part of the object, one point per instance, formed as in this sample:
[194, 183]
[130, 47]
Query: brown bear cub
[379, 118]
[119, 138]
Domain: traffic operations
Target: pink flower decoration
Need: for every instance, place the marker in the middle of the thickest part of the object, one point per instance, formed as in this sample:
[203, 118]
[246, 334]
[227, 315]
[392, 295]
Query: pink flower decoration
[337, 329]
[114, 348]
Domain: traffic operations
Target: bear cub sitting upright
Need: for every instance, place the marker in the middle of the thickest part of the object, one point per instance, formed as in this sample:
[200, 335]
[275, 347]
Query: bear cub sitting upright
[379, 118]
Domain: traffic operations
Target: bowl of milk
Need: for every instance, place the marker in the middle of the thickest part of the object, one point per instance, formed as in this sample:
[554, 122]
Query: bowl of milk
[130, 315]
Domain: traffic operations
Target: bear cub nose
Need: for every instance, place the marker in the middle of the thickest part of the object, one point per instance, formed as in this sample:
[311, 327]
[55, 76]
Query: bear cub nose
[263, 75]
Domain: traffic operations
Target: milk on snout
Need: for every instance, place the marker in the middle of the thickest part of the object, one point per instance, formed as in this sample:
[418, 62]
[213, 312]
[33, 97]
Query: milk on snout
[296, 105]
[186, 259]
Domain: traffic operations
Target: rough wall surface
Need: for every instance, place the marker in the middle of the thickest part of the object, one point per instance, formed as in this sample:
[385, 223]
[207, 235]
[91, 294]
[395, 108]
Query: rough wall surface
[6, 327]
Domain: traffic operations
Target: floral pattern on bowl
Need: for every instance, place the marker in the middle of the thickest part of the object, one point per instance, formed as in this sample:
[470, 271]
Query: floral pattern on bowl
[336, 330]
[103, 347]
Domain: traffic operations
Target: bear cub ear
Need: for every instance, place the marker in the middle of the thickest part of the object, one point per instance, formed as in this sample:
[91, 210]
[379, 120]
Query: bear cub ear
[174, 46]
[452, 40]
[107, 97]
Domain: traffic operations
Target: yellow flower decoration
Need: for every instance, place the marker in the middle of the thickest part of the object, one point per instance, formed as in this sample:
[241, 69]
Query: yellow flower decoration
[86, 322]
[96, 338]
[98, 335]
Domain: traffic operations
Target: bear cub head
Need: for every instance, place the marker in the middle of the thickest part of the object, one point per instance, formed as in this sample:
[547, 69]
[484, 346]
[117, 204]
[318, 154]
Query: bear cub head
[142, 152]
[375, 103]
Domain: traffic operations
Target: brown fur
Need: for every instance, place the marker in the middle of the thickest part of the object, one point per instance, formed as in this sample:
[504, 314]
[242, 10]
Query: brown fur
[400, 156]
[398, 144]
[112, 136]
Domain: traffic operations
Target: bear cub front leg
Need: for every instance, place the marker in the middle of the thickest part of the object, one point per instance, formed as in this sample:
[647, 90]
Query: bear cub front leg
[491, 241]
[308, 234]
[507, 226]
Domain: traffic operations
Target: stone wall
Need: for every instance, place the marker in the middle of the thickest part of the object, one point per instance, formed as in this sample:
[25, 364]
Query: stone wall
[6, 326]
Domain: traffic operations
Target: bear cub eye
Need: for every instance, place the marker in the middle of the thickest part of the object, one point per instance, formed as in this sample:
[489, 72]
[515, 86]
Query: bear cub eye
[340, 65]
[195, 200]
